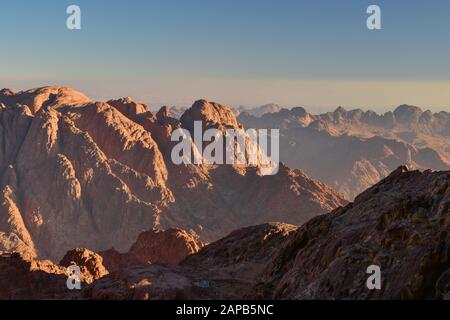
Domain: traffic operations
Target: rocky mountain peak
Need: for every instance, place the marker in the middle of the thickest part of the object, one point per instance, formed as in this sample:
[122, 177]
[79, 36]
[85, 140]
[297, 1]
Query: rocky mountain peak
[211, 114]
[128, 107]
[340, 110]
[6, 92]
[90, 263]
[76, 174]
[163, 112]
[299, 112]
[167, 247]
[407, 114]
[50, 96]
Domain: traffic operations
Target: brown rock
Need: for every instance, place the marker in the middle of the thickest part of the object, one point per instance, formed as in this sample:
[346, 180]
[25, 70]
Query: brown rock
[226, 269]
[352, 150]
[51, 96]
[230, 268]
[211, 114]
[168, 247]
[90, 263]
[151, 282]
[75, 173]
[14, 236]
[327, 258]
[113, 260]
[128, 107]
[443, 286]
[154, 246]
[24, 278]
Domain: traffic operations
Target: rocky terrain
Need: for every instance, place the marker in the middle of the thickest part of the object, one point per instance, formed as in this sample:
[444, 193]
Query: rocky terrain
[92, 184]
[79, 173]
[410, 124]
[353, 150]
[154, 246]
[402, 224]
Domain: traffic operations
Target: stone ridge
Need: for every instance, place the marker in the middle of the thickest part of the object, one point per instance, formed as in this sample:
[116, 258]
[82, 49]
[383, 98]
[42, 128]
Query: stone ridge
[75, 173]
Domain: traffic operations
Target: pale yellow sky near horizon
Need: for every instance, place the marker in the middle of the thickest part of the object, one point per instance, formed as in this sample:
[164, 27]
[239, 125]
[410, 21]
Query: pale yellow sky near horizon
[315, 95]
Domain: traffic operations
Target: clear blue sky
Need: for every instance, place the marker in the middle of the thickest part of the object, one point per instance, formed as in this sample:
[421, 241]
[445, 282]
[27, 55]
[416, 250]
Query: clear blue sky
[130, 45]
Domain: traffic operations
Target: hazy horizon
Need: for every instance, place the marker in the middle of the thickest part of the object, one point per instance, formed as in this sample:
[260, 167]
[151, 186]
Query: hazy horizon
[307, 102]
[308, 53]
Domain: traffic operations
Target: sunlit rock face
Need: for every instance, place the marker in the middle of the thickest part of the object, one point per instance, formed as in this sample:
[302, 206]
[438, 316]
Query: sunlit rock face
[75, 173]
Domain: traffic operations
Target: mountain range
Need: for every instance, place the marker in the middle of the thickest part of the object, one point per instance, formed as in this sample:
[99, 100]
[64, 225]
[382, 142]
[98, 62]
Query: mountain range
[352, 150]
[401, 224]
[74, 172]
[92, 184]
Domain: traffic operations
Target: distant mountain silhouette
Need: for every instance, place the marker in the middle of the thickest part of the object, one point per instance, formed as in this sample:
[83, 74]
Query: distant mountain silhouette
[352, 150]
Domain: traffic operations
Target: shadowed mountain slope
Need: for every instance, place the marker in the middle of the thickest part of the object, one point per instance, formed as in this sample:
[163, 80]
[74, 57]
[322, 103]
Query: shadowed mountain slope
[79, 173]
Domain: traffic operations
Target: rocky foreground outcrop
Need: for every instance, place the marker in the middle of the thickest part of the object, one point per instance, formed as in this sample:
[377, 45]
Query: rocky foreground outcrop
[90, 263]
[24, 277]
[401, 225]
[167, 248]
[226, 269]
[75, 173]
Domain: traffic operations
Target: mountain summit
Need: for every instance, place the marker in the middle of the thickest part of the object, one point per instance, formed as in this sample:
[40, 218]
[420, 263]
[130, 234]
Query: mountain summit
[79, 173]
